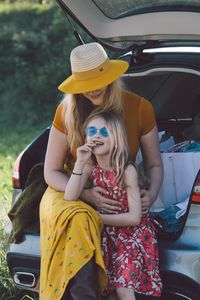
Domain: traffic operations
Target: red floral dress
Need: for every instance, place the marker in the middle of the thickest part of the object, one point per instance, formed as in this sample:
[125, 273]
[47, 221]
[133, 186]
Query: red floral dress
[130, 253]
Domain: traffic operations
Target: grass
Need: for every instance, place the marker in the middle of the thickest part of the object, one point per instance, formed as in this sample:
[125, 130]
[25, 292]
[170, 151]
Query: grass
[11, 144]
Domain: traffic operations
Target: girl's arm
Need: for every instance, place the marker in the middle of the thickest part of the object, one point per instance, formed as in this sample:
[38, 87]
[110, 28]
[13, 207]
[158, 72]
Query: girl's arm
[133, 216]
[77, 182]
[80, 172]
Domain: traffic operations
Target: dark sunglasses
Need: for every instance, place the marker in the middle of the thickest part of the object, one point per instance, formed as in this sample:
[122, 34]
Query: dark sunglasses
[92, 130]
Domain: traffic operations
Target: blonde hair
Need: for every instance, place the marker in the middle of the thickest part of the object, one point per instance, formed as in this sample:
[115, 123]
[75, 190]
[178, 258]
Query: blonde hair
[119, 152]
[76, 108]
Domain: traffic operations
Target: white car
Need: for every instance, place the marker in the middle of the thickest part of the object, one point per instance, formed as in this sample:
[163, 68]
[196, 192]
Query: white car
[161, 41]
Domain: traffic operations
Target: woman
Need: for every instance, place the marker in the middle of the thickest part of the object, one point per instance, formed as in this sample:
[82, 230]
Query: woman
[94, 86]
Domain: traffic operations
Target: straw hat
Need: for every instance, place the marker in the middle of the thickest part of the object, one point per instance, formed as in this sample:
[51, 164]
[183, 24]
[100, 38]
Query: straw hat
[91, 69]
[193, 132]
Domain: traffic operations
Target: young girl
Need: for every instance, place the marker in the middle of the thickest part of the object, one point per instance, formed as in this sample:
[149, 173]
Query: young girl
[129, 243]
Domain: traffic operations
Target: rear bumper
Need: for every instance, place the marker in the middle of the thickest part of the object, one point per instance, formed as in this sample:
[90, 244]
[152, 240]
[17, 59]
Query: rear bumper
[25, 270]
[23, 260]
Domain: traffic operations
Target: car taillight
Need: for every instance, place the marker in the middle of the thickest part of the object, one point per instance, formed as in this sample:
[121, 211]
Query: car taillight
[196, 190]
[15, 175]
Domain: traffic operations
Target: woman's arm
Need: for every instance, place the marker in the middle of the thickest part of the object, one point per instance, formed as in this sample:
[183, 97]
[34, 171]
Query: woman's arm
[133, 216]
[153, 168]
[54, 160]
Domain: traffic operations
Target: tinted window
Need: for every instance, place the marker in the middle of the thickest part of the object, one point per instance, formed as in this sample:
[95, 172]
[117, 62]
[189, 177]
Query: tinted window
[116, 8]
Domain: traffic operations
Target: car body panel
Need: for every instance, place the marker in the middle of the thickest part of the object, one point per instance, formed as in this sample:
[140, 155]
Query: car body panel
[153, 26]
[183, 255]
[30, 245]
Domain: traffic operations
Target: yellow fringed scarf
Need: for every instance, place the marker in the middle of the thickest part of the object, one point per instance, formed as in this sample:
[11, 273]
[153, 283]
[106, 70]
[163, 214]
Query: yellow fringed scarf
[70, 237]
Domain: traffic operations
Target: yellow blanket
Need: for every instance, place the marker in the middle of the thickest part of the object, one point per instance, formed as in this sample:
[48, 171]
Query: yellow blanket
[70, 236]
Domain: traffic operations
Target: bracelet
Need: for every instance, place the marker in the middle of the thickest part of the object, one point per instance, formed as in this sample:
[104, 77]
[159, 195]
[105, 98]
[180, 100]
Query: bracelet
[74, 173]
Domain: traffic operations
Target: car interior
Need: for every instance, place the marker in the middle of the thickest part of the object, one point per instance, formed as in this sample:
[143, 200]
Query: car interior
[175, 97]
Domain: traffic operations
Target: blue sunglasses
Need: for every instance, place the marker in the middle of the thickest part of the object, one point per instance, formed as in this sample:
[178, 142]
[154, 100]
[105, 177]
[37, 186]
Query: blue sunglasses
[92, 130]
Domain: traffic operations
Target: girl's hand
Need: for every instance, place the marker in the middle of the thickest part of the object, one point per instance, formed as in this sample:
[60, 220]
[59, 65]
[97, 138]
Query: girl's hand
[146, 201]
[97, 197]
[84, 152]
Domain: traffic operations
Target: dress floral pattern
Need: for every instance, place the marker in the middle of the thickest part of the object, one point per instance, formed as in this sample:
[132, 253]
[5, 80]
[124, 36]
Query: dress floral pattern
[130, 253]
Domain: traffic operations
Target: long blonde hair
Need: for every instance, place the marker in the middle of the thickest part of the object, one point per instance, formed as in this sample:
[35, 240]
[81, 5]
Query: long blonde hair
[119, 152]
[76, 108]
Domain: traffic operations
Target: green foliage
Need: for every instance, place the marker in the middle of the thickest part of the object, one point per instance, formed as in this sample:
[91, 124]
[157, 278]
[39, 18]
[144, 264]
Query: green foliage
[27, 1]
[11, 144]
[35, 43]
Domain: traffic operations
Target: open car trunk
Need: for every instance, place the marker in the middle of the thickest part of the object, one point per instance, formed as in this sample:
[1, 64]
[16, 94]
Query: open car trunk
[175, 97]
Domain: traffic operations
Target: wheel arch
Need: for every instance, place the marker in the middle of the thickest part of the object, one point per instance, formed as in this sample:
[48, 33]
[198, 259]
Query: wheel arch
[174, 281]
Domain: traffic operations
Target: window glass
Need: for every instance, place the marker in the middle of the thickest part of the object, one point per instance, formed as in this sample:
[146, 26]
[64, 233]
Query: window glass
[119, 8]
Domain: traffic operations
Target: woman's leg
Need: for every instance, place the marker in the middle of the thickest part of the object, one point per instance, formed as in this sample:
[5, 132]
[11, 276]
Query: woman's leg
[125, 294]
[84, 285]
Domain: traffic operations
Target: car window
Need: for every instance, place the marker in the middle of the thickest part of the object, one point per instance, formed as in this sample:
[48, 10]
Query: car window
[173, 95]
[119, 8]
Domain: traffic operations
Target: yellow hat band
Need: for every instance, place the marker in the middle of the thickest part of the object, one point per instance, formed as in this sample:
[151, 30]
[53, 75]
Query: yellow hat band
[90, 74]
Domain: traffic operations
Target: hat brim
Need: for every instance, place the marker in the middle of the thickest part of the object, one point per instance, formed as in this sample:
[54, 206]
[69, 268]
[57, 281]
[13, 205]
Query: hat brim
[73, 86]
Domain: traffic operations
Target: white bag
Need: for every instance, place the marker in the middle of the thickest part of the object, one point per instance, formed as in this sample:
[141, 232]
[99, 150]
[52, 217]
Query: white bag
[180, 170]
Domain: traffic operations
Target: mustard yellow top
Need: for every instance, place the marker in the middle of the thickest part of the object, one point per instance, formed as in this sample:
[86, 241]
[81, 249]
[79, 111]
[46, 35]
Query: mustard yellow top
[139, 119]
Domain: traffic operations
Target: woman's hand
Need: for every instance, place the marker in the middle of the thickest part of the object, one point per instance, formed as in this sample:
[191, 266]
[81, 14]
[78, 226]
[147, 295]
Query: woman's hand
[146, 201]
[96, 196]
